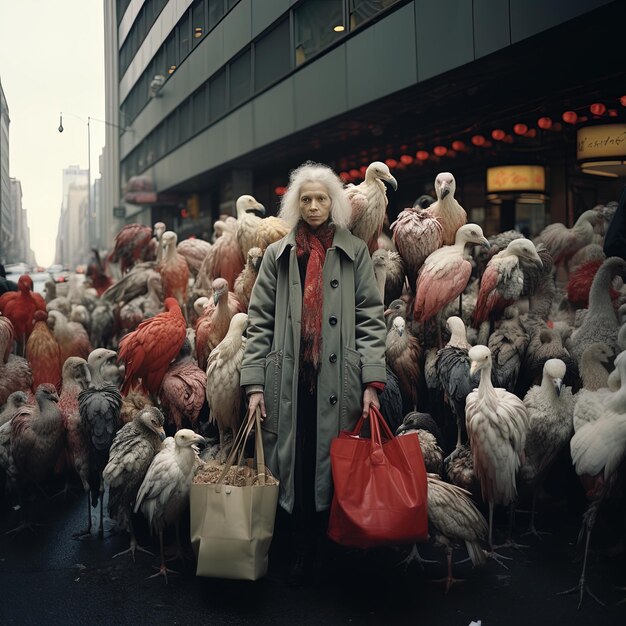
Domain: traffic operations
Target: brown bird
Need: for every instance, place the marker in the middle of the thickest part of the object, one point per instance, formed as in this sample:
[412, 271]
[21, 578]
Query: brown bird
[72, 337]
[429, 437]
[132, 451]
[133, 402]
[133, 243]
[212, 326]
[223, 392]
[404, 356]
[14, 402]
[245, 281]
[148, 351]
[256, 231]
[446, 209]
[7, 337]
[15, 375]
[173, 269]
[37, 436]
[194, 251]
[183, 390]
[369, 203]
[43, 353]
[389, 273]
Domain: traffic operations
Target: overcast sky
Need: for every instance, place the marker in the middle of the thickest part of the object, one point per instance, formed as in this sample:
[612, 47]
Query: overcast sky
[51, 60]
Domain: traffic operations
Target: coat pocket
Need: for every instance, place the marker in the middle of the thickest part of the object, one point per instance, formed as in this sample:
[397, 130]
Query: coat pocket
[352, 392]
[273, 373]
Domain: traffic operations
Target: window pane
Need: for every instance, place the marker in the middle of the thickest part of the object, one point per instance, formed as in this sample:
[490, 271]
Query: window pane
[198, 23]
[184, 120]
[315, 23]
[200, 109]
[184, 37]
[217, 95]
[240, 78]
[271, 56]
[171, 57]
[364, 10]
[172, 131]
[216, 12]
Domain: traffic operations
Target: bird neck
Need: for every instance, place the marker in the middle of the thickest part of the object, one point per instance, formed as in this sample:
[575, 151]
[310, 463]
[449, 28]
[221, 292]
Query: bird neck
[458, 339]
[381, 279]
[485, 385]
[617, 401]
[599, 294]
[548, 388]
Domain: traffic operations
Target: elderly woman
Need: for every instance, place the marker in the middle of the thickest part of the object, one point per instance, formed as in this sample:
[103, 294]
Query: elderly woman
[315, 355]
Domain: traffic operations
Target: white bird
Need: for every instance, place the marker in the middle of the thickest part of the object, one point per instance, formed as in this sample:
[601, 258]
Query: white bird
[164, 492]
[369, 203]
[550, 408]
[446, 209]
[497, 422]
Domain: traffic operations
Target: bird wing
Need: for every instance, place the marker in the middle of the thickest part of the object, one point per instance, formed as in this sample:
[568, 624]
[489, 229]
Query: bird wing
[162, 477]
[194, 252]
[100, 412]
[269, 230]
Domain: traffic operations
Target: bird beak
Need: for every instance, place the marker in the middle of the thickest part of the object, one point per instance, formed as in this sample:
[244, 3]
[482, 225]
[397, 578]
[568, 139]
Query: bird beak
[216, 296]
[538, 262]
[473, 368]
[485, 243]
[200, 440]
[387, 312]
[259, 210]
[558, 385]
[161, 433]
[257, 263]
[445, 190]
[401, 428]
[392, 181]
[54, 398]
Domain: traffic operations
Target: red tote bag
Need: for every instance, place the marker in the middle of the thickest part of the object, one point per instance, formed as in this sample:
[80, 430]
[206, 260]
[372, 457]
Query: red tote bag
[380, 486]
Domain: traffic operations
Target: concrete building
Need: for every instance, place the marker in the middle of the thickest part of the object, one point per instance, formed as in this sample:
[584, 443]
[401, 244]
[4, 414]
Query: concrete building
[73, 232]
[21, 250]
[224, 97]
[6, 217]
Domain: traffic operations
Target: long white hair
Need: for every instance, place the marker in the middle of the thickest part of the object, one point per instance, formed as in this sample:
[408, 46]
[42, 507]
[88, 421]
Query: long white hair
[309, 172]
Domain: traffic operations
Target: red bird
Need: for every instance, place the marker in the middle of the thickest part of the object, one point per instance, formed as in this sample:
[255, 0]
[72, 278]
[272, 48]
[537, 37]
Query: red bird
[149, 350]
[43, 353]
[580, 281]
[20, 306]
[133, 243]
[97, 274]
[173, 269]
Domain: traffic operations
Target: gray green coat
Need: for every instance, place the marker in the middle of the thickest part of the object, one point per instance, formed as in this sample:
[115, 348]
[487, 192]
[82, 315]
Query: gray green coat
[353, 352]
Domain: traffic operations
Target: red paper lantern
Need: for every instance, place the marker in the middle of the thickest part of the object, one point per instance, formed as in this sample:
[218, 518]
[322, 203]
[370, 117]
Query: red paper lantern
[458, 145]
[569, 117]
[545, 123]
[508, 139]
[520, 129]
[355, 173]
[363, 169]
[422, 155]
[280, 191]
[343, 175]
[622, 101]
[612, 112]
[597, 108]
[498, 134]
[478, 140]
[407, 159]
[391, 163]
[440, 150]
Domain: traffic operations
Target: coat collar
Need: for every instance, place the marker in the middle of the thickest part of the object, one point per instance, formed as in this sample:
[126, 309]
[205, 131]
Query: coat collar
[343, 240]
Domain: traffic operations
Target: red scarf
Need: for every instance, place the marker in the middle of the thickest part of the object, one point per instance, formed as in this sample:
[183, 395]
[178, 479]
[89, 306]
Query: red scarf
[311, 246]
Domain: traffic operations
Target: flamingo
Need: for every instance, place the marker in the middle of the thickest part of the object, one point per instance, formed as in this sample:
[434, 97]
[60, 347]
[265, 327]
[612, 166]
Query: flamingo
[446, 209]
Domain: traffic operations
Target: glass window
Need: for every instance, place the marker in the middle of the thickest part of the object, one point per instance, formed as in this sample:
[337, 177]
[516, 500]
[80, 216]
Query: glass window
[232, 3]
[122, 5]
[171, 57]
[160, 142]
[217, 95]
[216, 12]
[240, 72]
[171, 131]
[200, 109]
[184, 36]
[198, 22]
[363, 10]
[184, 120]
[271, 56]
[318, 24]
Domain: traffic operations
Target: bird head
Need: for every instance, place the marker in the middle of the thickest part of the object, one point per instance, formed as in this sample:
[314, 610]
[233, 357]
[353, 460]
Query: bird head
[554, 370]
[471, 233]
[525, 249]
[100, 357]
[379, 258]
[416, 420]
[598, 351]
[25, 283]
[480, 357]
[444, 185]
[455, 325]
[158, 229]
[220, 286]
[238, 323]
[255, 256]
[399, 325]
[152, 419]
[76, 369]
[185, 438]
[248, 204]
[169, 239]
[396, 306]
[199, 304]
[17, 399]
[379, 170]
[46, 391]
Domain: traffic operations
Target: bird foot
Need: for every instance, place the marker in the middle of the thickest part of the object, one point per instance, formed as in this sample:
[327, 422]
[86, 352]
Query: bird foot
[415, 556]
[511, 543]
[452, 456]
[133, 548]
[536, 533]
[448, 581]
[82, 534]
[163, 571]
[25, 525]
[492, 554]
[581, 588]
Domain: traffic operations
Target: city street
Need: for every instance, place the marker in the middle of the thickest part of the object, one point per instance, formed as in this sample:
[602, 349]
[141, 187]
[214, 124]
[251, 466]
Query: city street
[53, 578]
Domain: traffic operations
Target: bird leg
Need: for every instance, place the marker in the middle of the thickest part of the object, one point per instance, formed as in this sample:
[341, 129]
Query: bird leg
[177, 552]
[449, 580]
[413, 556]
[582, 587]
[134, 546]
[27, 523]
[86, 531]
[101, 529]
[163, 569]
[531, 526]
[510, 542]
[461, 305]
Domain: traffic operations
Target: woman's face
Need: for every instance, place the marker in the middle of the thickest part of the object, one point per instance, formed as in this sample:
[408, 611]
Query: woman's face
[314, 204]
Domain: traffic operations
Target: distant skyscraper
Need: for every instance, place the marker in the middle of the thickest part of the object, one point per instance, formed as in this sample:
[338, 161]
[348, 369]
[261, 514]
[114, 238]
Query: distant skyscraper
[6, 222]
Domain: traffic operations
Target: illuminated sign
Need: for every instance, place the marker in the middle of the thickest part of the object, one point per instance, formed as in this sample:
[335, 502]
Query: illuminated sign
[516, 178]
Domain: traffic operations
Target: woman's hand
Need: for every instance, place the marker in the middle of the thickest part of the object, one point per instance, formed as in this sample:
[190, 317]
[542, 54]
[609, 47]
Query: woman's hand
[370, 396]
[256, 399]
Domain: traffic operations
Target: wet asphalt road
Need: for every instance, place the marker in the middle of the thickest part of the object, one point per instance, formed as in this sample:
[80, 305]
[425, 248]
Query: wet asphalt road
[53, 578]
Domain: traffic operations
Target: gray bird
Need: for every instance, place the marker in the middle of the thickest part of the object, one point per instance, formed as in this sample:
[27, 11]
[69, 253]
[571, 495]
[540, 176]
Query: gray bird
[508, 346]
[164, 492]
[14, 402]
[133, 449]
[429, 436]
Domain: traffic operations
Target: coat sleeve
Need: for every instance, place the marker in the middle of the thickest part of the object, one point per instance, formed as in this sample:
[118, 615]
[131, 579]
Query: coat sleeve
[370, 330]
[261, 317]
[615, 238]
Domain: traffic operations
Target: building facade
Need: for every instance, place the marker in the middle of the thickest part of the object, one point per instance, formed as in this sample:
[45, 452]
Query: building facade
[6, 218]
[216, 98]
[21, 251]
[73, 234]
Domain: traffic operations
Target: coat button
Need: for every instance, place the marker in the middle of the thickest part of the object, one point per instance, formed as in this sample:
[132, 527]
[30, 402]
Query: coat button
[333, 358]
[332, 320]
[333, 399]
[334, 283]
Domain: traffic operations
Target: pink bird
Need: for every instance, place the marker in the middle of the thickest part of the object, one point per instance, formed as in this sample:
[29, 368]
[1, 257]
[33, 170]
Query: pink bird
[173, 269]
[445, 274]
[369, 204]
[194, 250]
[446, 209]
[7, 337]
[503, 280]
[224, 259]
[417, 233]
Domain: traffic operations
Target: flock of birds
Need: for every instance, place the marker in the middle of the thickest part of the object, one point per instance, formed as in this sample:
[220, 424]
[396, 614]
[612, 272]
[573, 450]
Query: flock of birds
[503, 354]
